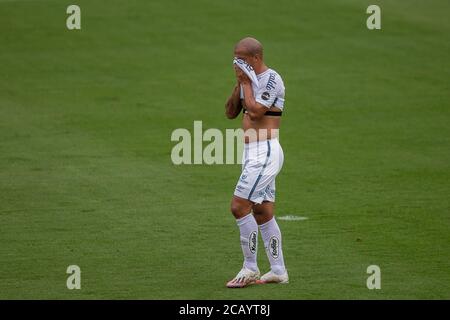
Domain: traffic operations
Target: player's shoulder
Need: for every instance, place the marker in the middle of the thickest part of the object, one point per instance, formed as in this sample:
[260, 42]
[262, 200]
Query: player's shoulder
[273, 79]
[274, 72]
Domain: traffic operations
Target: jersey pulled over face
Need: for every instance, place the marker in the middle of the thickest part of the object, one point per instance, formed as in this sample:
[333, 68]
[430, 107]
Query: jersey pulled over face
[270, 89]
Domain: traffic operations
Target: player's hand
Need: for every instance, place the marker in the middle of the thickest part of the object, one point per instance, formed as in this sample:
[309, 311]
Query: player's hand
[241, 77]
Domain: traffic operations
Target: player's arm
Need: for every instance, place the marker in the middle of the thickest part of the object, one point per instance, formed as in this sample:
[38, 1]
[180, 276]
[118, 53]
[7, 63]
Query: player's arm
[233, 106]
[255, 110]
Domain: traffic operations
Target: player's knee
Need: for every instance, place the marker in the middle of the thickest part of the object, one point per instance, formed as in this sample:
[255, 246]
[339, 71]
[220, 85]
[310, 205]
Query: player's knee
[263, 208]
[236, 210]
[257, 211]
[239, 210]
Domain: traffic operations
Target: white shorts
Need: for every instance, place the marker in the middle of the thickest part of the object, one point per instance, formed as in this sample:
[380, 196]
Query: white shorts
[261, 162]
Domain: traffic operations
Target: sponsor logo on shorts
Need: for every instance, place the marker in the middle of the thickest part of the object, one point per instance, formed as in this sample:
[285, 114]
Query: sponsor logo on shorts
[252, 242]
[274, 247]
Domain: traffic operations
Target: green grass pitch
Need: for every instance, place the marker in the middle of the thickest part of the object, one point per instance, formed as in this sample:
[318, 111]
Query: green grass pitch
[86, 176]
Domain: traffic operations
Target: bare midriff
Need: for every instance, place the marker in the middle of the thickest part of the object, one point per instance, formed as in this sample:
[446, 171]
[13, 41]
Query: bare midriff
[264, 128]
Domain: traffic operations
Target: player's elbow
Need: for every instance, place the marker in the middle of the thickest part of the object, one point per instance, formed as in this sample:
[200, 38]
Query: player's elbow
[229, 111]
[229, 115]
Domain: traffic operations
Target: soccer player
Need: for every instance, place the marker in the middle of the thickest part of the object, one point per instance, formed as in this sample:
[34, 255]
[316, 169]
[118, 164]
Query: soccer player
[253, 202]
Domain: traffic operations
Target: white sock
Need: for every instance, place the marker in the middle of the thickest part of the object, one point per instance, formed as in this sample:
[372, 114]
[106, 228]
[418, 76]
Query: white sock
[249, 240]
[271, 236]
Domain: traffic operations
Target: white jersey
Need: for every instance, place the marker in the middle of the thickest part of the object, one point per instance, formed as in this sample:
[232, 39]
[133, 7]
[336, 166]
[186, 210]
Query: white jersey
[270, 89]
